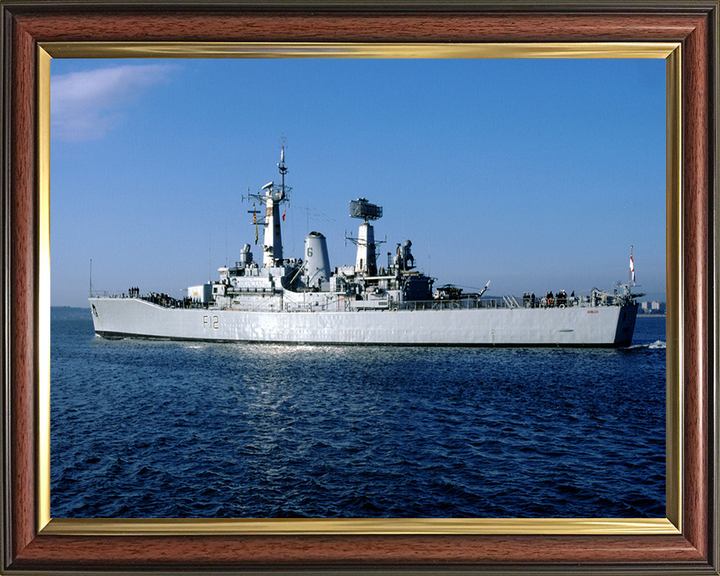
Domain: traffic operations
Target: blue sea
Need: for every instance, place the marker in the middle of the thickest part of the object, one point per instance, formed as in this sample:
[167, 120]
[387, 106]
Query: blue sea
[143, 429]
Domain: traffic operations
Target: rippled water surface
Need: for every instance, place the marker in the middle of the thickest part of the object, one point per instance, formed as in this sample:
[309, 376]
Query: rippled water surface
[171, 429]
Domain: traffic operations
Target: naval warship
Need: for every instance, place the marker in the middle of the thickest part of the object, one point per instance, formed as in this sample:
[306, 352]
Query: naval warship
[305, 301]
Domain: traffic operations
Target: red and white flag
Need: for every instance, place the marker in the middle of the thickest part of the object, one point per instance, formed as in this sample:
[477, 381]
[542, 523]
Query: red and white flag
[632, 268]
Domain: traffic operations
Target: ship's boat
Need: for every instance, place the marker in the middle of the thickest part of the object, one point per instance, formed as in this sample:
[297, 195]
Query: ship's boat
[293, 300]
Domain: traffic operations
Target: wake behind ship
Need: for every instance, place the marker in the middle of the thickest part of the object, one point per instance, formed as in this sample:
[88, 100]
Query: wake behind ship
[291, 300]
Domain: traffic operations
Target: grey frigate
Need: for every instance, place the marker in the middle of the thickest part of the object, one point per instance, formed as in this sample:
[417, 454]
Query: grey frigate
[305, 301]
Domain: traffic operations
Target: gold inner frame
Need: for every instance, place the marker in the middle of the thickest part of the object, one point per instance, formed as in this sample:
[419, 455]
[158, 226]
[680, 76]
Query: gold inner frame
[670, 52]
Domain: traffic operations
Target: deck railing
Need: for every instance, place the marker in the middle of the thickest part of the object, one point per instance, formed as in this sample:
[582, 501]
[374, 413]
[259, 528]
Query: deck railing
[507, 302]
[347, 304]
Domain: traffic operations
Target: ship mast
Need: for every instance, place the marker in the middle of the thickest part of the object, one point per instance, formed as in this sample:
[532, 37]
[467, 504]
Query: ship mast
[365, 261]
[281, 166]
[273, 252]
[273, 196]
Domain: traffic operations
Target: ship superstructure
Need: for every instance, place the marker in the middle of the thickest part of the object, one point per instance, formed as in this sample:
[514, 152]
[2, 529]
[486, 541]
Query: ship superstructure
[304, 300]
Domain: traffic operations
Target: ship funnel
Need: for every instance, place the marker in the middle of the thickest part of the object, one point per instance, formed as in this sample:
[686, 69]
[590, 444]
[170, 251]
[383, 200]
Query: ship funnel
[317, 263]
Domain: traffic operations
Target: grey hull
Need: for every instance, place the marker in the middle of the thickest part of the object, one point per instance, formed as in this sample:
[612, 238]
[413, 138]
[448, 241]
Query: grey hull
[602, 326]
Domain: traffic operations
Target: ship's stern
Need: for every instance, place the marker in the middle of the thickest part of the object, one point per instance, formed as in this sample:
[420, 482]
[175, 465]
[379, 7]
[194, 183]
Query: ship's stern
[626, 325]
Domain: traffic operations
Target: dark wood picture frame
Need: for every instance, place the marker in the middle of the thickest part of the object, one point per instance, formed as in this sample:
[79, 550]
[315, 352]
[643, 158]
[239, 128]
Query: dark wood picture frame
[26, 24]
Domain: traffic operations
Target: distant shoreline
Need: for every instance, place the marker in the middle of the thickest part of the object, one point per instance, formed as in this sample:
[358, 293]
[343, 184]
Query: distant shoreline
[69, 313]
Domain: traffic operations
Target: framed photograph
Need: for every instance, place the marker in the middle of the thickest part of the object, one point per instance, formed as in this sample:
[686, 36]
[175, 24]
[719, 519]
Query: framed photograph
[681, 35]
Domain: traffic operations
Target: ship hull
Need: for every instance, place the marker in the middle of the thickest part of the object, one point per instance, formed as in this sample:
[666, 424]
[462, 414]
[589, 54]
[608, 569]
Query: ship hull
[603, 326]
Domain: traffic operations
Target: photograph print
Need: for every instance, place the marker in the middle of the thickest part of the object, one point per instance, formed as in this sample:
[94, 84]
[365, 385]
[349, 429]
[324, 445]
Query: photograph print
[358, 288]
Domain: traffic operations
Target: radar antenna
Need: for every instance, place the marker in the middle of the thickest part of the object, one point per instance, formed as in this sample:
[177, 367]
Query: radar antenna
[363, 209]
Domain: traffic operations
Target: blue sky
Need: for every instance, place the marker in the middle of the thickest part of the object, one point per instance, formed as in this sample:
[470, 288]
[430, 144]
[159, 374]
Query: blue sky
[535, 174]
